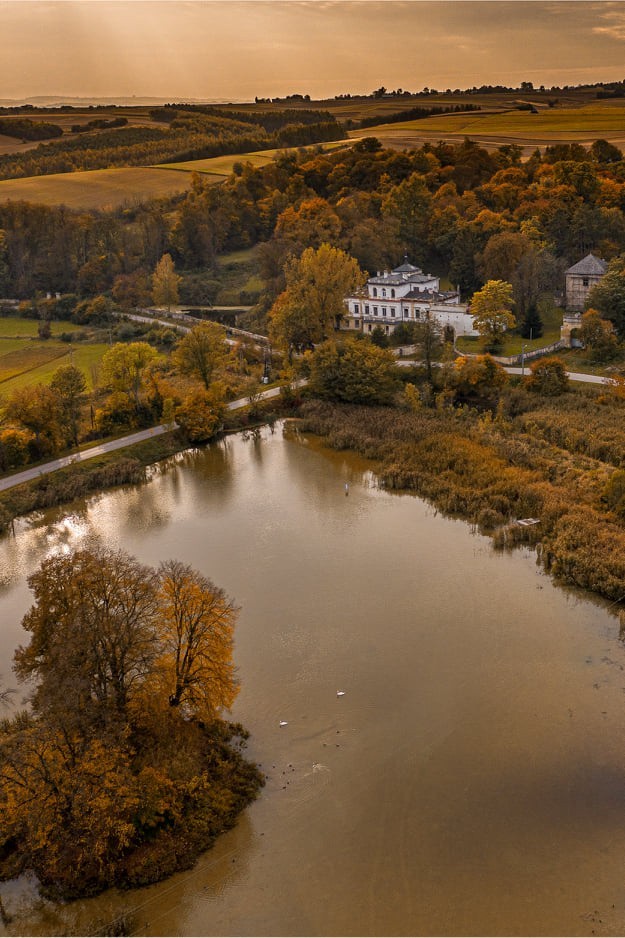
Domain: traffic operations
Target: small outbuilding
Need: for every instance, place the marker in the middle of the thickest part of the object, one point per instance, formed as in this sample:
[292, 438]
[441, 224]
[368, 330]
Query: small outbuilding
[580, 279]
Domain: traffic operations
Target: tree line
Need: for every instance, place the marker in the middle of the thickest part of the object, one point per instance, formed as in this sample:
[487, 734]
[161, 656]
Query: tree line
[189, 134]
[455, 209]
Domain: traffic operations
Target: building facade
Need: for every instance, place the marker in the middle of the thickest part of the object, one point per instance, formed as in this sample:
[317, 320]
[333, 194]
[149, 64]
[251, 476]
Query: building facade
[579, 280]
[404, 295]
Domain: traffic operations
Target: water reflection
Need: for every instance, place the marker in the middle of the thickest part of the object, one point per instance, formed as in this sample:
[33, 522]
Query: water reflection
[469, 781]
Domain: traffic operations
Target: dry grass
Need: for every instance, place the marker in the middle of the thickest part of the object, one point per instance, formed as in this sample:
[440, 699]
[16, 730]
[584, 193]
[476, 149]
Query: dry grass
[98, 188]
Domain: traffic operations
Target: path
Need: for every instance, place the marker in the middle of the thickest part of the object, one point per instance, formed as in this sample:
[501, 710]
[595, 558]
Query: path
[573, 375]
[36, 471]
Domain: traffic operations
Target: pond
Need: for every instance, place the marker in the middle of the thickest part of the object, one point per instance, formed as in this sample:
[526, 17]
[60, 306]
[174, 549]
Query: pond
[470, 778]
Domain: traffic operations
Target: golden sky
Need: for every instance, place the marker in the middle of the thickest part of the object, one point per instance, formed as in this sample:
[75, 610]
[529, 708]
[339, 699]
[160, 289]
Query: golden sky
[231, 50]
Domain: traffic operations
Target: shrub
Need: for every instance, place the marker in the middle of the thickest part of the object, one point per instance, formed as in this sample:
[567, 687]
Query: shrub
[548, 376]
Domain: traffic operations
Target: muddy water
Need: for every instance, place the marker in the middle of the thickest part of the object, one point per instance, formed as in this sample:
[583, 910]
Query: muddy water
[471, 779]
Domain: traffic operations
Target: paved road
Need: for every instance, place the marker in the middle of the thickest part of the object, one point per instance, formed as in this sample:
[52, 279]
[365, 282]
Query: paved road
[36, 471]
[573, 375]
[29, 474]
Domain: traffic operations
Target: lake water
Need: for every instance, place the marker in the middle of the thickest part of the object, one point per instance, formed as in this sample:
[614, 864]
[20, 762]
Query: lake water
[471, 779]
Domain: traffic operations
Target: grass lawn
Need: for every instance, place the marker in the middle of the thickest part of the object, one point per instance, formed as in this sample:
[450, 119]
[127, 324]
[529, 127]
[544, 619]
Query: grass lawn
[513, 343]
[12, 326]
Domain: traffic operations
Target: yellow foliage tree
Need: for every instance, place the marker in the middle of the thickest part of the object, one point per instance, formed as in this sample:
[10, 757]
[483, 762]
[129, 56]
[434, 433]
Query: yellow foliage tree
[197, 625]
[491, 308]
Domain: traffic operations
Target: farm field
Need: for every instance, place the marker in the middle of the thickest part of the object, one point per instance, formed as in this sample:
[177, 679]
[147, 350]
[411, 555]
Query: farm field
[25, 359]
[493, 129]
[96, 188]
[222, 165]
[16, 327]
[109, 188]
[136, 117]
[32, 363]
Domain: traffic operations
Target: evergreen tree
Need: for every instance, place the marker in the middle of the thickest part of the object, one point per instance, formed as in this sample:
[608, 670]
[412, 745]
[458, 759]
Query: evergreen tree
[532, 325]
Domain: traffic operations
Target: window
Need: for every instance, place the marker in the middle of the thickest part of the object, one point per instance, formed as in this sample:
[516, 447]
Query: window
[417, 314]
[383, 292]
[393, 294]
[366, 310]
[384, 310]
[375, 310]
[585, 281]
[393, 312]
[356, 309]
[375, 291]
[406, 312]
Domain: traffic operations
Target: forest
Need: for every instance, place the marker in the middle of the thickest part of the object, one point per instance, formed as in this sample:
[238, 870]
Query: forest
[463, 212]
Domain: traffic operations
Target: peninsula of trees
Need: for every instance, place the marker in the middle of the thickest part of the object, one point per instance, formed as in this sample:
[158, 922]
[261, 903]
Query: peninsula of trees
[123, 769]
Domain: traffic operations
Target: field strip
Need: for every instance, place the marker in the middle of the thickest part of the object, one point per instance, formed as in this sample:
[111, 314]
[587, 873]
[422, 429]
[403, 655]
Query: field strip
[96, 188]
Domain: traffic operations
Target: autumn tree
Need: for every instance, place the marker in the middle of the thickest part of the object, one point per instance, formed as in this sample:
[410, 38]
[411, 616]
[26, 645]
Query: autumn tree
[69, 383]
[196, 633]
[131, 290]
[410, 204]
[165, 282]
[548, 376]
[70, 801]
[608, 295]
[312, 303]
[202, 352]
[124, 748]
[200, 413]
[354, 372]
[123, 367]
[312, 224]
[598, 336]
[491, 311]
[36, 407]
[93, 630]
[479, 376]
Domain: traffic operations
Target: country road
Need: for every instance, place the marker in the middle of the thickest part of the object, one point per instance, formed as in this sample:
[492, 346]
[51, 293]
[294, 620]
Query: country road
[29, 474]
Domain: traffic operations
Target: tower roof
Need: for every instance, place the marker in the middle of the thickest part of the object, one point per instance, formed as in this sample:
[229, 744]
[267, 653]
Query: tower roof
[406, 268]
[589, 266]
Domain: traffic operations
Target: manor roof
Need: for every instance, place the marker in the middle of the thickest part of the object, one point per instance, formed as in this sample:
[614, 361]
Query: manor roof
[589, 266]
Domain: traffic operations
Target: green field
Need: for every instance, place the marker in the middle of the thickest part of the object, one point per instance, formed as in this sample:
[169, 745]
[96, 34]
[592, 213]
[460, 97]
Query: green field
[34, 364]
[514, 343]
[97, 188]
[25, 359]
[13, 326]
[491, 129]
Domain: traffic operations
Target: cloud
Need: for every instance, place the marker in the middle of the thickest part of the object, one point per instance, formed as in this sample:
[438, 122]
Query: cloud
[616, 27]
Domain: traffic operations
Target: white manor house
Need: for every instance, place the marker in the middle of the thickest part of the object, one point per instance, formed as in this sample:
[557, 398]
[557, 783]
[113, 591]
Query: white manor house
[404, 295]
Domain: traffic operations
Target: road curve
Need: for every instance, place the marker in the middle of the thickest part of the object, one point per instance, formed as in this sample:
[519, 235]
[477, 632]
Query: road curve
[36, 471]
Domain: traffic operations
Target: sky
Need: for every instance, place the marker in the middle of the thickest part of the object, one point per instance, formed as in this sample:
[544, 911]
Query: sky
[232, 51]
